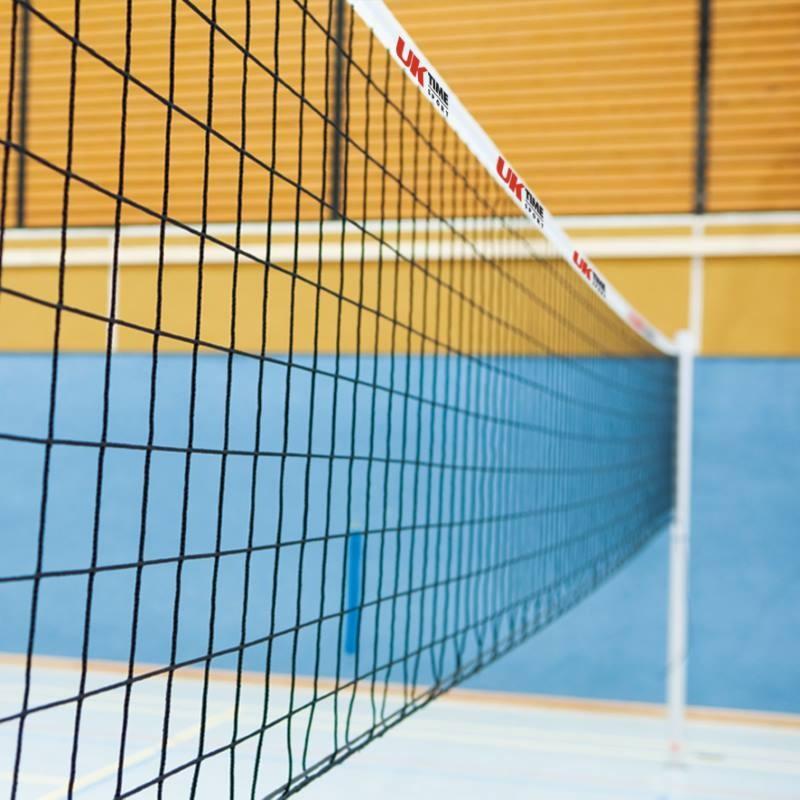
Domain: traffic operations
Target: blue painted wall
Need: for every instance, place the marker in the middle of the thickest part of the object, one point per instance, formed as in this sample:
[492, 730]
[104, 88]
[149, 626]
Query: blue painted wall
[745, 572]
[745, 598]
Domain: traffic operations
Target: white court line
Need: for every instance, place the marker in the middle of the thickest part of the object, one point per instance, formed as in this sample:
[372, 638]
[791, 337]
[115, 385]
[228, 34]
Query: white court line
[613, 741]
[617, 746]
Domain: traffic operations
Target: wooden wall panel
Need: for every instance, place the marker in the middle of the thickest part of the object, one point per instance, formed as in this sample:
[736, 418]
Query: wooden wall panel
[754, 144]
[593, 102]
[8, 159]
[98, 104]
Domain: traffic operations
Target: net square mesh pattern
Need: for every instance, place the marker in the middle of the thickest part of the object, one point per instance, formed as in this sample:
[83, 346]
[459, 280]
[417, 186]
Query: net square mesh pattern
[308, 423]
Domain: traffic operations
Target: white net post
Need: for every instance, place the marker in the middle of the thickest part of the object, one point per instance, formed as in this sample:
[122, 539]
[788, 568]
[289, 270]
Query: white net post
[677, 643]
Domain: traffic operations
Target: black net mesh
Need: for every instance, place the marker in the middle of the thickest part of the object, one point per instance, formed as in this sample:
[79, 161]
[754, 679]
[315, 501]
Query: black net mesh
[302, 423]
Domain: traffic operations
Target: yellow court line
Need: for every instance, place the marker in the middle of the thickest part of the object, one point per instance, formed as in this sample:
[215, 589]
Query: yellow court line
[109, 770]
[30, 778]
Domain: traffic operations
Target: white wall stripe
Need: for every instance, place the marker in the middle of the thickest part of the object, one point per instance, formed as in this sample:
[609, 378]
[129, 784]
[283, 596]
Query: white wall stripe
[334, 227]
[696, 247]
[697, 283]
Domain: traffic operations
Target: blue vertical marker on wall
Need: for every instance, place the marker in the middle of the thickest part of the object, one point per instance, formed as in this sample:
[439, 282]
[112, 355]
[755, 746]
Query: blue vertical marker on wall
[353, 593]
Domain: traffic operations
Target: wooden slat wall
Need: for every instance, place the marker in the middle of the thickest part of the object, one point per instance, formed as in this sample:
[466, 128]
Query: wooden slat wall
[592, 101]
[8, 159]
[97, 125]
[97, 120]
[601, 96]
[754, 144]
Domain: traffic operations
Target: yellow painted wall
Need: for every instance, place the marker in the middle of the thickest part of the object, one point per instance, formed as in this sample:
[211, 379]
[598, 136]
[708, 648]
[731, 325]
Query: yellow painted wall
[752, 307]
[593, 101]
[29, 325]
[750, 304]
[510, 306]
[659, 288]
